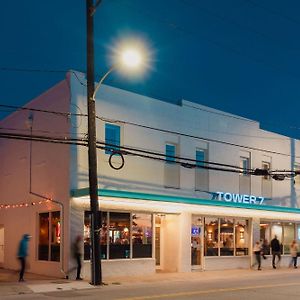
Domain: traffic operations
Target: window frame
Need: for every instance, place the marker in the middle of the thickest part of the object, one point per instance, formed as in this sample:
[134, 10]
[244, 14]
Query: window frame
[108, 220]
[115, 141]
[50, 232]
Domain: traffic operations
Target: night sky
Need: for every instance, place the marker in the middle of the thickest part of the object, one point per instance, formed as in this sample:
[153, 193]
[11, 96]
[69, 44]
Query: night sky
[239, 56]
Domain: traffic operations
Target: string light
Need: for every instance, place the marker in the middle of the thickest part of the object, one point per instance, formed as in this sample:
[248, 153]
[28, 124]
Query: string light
[24, 204]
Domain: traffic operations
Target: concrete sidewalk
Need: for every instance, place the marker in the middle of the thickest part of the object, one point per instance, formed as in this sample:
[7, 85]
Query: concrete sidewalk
[34, 283]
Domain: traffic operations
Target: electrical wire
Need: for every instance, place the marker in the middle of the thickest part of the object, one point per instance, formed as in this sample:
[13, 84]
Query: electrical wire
[153, 155]
[192, 136]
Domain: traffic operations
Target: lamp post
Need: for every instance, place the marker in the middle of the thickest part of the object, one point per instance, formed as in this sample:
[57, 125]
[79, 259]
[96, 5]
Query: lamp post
[129, 59]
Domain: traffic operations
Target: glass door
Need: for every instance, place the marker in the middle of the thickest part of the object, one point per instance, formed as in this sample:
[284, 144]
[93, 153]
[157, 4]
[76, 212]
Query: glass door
[196, 242]
[157, 240]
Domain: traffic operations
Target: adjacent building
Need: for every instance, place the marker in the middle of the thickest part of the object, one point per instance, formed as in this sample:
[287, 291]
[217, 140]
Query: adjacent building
[178, 197]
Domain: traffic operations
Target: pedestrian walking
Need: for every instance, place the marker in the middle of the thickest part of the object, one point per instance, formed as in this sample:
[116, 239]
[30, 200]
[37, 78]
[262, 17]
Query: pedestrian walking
[257, 249]
[294, 253]
[276, 251]
[77, 255]
[22, 254]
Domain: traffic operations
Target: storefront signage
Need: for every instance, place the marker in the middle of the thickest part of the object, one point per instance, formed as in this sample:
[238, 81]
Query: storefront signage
[237, 198]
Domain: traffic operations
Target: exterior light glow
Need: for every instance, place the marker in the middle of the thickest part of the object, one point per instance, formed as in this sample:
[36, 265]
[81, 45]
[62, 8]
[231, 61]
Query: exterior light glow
[131, 58]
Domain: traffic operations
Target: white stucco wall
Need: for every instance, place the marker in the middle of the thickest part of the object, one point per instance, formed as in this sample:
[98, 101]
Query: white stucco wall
[146, 175]
[49, 169]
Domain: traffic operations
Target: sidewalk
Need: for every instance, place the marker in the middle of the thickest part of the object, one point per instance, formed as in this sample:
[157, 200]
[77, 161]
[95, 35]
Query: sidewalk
[34, 283]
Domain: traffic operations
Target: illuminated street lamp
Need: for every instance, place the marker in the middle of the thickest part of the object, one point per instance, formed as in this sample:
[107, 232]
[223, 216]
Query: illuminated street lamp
[128, 59]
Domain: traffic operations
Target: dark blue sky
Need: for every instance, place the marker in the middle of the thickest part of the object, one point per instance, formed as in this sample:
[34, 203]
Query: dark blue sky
[239, 56]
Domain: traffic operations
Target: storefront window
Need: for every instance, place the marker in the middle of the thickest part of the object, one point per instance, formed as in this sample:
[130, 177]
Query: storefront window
[49, 236]
[115, 239]
[241, 237]
[211, 236]
[87, 235]
[289, 236]
[265, 236]
[141, 235]
[285, 233]
[226, 237]
[119, 235]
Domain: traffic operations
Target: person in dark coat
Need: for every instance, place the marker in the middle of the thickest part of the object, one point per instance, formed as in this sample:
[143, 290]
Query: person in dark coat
[77, 255]
[276, 251]
[22, 254]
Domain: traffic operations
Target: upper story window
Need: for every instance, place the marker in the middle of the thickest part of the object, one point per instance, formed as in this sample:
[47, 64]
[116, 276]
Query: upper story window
[297, 168]
[200, 158]
[170, 153]
[245, 165]
[266, 166]
[112, 138]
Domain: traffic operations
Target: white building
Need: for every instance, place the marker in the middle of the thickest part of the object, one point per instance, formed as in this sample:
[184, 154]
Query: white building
[155, 213]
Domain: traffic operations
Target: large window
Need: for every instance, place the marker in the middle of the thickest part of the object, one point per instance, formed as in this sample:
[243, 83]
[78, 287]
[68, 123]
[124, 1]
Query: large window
[87, 235]
[142, 235]
[49, 236]
[122, 235]
[112, 138]
[226, 237]
[285, 233]
[119, 235]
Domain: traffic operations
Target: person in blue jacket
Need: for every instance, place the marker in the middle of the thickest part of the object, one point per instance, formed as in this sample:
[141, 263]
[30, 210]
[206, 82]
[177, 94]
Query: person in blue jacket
[22, 254]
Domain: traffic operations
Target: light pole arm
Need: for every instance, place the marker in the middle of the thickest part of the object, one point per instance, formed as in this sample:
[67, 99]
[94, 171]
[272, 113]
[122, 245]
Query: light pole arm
[101, 80]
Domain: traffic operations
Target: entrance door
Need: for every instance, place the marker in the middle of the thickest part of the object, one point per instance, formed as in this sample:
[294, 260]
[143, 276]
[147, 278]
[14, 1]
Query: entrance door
[157, 240]
[1, 245]
[196, 242]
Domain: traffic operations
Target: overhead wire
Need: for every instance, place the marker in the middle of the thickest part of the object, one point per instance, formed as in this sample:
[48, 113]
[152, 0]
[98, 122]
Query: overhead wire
[182, 161]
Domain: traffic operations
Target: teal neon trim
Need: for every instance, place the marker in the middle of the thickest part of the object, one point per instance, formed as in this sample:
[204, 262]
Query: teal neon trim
[179, 199]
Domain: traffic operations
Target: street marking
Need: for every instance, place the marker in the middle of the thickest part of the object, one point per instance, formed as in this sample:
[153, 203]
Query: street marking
[180, 294]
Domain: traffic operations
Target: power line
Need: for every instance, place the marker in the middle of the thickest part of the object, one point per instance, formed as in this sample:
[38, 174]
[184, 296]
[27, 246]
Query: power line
[193, 136]
[68, 114]
[182, 161]
[64, 114]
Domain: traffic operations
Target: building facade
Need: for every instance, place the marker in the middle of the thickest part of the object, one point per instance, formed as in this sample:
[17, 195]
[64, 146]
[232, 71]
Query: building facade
[175, 190]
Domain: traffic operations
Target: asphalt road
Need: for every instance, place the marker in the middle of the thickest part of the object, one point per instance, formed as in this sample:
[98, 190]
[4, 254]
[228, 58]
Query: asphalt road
[257, 285]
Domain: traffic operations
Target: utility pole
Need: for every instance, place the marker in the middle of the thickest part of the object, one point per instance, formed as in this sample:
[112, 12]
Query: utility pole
[92, 150]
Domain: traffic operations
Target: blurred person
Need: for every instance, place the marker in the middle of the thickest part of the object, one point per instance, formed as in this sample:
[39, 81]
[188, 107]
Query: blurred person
[294, 253]
[276, 251]
[22, 254]
[77, 252]
[257, 250]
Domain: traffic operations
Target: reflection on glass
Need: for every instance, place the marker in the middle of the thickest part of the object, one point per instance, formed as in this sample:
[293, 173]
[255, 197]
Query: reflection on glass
[142, 235]
[276, 229]
[241, 237]
[265, 236]
[87, 235]
[211, 236]
[226, 237]
[119, 235]
[49, 236]
[196, 240]
[55, 236]
[289, 236]
[43, 236]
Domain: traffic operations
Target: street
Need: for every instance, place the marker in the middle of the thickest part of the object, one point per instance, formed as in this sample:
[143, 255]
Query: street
[221, 285]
